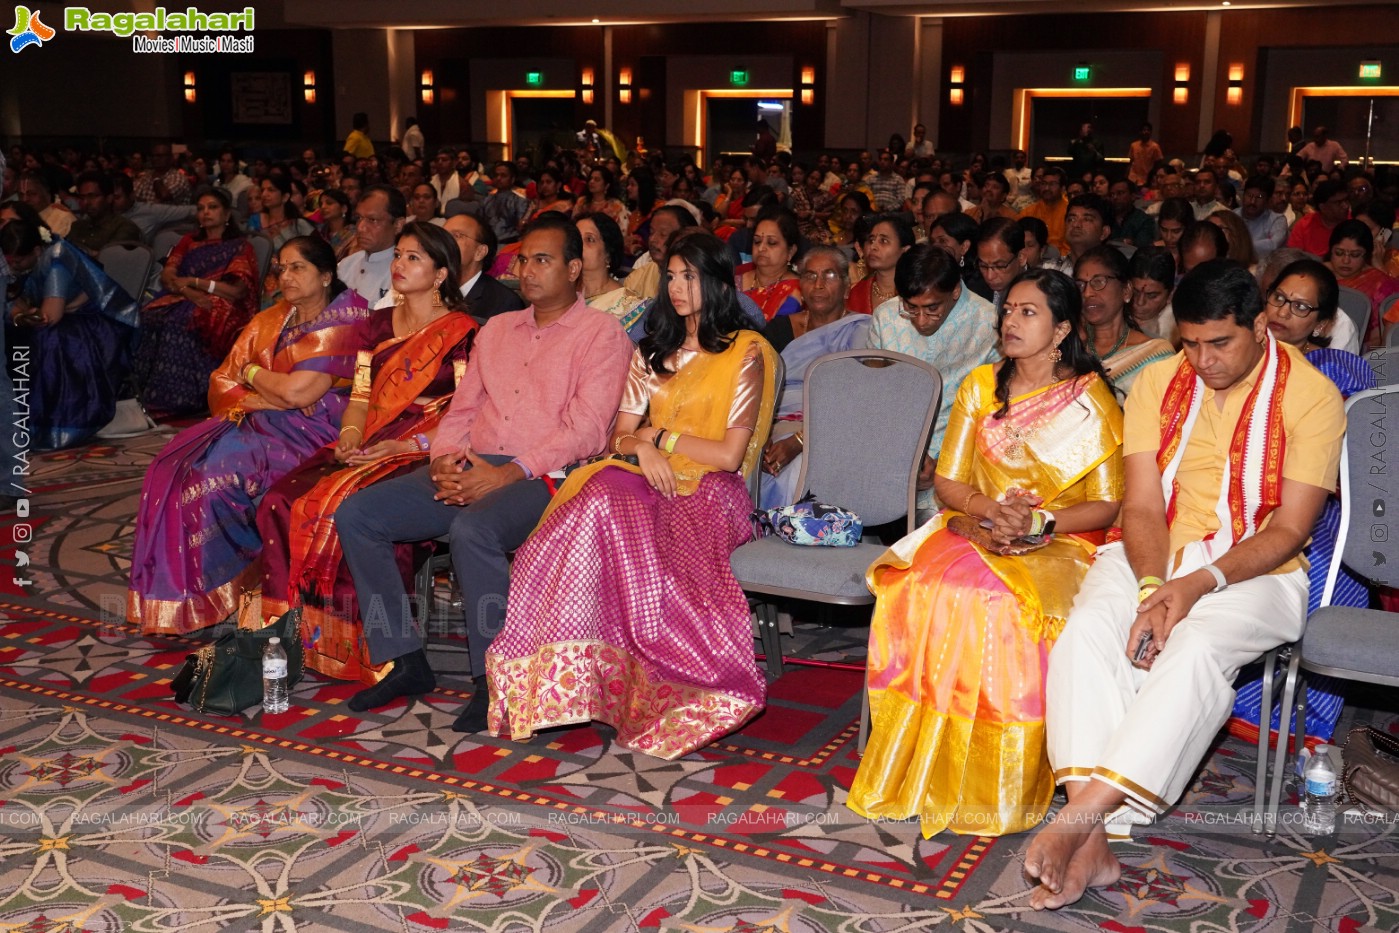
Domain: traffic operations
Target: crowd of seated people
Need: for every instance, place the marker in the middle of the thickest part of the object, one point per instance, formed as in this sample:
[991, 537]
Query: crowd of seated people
[441, 343]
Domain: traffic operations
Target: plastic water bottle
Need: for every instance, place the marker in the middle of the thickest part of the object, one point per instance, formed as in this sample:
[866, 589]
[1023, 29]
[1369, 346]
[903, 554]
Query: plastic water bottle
[274, 678]
[1319, 817]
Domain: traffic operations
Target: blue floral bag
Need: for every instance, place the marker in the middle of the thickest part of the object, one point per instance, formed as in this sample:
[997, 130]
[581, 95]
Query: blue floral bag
[811, 523]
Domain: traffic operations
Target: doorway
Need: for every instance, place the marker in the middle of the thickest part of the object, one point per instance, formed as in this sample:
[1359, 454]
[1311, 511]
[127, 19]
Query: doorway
[722, 122]
[1044, 120]
[518, 121]
[1345, 111]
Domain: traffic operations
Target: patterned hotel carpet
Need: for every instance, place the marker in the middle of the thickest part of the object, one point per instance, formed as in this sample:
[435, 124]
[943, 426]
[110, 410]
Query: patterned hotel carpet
[121, 811]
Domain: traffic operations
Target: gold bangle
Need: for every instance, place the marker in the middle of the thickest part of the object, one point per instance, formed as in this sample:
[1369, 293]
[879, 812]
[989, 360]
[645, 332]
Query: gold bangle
[351, 427]
[617, 444]
[967, 502]
[801, 441]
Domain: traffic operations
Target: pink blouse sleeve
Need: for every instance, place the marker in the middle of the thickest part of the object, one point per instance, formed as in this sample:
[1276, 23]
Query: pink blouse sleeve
[748, 393]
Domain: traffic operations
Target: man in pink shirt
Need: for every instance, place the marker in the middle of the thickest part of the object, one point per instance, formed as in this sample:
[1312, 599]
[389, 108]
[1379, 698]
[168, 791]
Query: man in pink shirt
[540, 393]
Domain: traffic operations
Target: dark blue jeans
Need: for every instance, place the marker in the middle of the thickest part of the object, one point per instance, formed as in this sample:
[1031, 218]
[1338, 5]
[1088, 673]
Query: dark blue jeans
[482, 535]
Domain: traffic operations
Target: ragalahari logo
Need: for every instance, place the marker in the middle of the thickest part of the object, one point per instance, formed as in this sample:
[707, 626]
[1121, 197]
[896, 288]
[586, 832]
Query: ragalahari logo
[29, 30]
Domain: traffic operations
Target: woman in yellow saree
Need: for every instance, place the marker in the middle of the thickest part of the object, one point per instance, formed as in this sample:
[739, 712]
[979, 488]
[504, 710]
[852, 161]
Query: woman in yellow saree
[622, 604]
[961, 636]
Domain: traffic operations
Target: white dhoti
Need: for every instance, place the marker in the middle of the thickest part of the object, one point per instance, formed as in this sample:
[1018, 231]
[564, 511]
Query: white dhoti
[1146, 732]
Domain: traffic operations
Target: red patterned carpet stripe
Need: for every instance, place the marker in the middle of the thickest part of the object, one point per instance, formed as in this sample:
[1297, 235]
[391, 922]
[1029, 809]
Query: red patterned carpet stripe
[945, 889]
[816, 760]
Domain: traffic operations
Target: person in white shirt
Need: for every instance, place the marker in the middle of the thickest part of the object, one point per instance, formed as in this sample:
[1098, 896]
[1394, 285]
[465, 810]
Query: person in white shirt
[231, 179]
[1206, 194]
[444, 178]
[413, 144]
[381, 212]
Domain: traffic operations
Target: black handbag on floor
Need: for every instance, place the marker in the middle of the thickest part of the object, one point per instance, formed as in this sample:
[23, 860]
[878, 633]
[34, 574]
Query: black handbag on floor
[225, 678]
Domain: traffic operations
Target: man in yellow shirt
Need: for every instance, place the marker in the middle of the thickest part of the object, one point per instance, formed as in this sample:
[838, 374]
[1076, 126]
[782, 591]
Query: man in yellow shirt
[1208, 575]
[358, 143]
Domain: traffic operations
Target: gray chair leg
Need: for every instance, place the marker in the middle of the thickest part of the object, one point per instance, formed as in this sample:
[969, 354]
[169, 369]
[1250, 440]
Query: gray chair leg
[1289, 692]
[772, 638]
[1265, 718]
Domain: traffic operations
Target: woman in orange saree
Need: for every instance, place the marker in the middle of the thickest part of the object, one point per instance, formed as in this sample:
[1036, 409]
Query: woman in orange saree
[404, 378]
[960, 639]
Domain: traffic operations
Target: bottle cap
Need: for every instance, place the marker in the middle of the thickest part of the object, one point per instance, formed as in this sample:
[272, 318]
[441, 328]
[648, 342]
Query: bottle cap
[274, 640]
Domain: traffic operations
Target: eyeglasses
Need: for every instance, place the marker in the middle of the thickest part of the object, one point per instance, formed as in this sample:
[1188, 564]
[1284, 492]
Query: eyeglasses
[829, 276]
[1097, 282]
[996, 266]
[933, 312]
[1297, 307]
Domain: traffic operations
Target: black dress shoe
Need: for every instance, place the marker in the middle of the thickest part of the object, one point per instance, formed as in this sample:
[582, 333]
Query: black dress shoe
[411, 676]
[473, 718]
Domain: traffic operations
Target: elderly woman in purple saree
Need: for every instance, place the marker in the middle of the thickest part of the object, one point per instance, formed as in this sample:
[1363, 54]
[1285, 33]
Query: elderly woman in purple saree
[276, 399]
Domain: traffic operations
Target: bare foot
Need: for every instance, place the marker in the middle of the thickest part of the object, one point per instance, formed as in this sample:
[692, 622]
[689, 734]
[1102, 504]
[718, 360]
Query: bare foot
[1092, 866]
[1048, 856]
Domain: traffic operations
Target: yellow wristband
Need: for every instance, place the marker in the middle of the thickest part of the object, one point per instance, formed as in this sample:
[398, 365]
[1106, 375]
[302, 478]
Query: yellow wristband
[1151, 581]
[253, 370]
[1146, 590]
[671, 441]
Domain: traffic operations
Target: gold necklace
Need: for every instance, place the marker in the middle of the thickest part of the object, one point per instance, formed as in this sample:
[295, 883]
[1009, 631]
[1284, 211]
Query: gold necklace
[877, 295]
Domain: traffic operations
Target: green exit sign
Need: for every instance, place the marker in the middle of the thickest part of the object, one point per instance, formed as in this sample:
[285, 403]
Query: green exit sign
[1082, 73]
[738, 76]
[1369, 69]
[534, 77]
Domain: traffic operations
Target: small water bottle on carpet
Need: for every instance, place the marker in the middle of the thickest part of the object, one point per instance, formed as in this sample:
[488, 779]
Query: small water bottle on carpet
[1319, 817]
[274, 678]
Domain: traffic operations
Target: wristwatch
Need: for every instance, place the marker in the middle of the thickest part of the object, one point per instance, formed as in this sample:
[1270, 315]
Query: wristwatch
[1219, 581]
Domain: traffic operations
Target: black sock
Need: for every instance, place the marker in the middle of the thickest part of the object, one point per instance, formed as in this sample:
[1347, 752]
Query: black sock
[473, 718]
[411, 676]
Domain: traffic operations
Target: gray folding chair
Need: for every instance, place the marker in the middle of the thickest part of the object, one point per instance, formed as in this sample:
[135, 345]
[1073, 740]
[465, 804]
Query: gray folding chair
[1384, 363]
[163, 243]
[1340, 641]
[1391, 331]
[866, 431]
[262, 248]
[1356, 305]
[127, 264]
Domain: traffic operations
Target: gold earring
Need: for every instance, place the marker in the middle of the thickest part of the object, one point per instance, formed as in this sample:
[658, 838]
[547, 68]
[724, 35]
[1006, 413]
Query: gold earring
[437, 297]
[1055, 354]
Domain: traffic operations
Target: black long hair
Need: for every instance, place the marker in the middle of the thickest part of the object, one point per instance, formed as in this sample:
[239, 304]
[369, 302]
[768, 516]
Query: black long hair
[442, 249]
[720, 314]
[1066, 304]
[612, 242]
[231, 229]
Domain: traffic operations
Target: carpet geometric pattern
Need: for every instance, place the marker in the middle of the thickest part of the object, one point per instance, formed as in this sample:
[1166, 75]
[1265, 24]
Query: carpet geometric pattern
[121, 810]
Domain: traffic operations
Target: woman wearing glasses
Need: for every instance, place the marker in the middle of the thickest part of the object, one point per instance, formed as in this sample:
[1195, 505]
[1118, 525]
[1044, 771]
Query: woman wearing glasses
[960, 639]
[1301, 304]
[1352, 245]
[824, 325]
[1102, 276]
